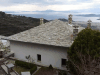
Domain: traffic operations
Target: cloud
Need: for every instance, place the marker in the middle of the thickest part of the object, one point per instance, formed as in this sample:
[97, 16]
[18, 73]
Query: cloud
[42, 5]
[56, 7]
[70, 7]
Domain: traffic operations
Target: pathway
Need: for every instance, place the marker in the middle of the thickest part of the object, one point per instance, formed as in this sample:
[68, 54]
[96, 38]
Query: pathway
[2, 72]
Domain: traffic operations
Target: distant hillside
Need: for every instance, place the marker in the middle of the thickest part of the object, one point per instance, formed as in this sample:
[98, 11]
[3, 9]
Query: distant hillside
[64, 20]
[12, 24]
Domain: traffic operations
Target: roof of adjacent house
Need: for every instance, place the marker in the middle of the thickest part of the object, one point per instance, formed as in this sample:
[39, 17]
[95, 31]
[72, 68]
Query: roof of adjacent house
[56, 32]
[5, 44]
[2, 36]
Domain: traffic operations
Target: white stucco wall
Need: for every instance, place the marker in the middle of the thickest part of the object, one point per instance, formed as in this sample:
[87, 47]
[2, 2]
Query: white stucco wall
[49, 54]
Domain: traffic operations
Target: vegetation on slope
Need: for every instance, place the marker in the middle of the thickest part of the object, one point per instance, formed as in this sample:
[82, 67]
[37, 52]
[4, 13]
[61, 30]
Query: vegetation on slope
[12, 24]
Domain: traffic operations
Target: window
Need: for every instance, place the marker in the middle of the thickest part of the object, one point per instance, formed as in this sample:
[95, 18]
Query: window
[63, 62]
[38, 57]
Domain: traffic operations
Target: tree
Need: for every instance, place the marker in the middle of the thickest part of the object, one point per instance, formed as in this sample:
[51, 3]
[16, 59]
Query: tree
[84, 53]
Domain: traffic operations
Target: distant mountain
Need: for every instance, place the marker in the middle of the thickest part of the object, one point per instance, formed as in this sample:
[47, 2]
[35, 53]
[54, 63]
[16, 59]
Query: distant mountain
[57, 11]
[64, 20]
[72, 11]
[12, 24]
[50, 20]
[49, 11]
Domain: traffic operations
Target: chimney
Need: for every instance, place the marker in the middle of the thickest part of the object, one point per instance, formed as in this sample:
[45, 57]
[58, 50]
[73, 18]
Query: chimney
[41, 21]
[89, 24]
[75, 31]
[70, 19]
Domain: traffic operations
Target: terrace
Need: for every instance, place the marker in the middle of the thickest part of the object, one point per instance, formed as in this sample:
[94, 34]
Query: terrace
[9, 65]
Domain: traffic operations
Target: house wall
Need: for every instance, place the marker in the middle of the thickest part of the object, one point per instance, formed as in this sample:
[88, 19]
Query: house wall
[49, 54]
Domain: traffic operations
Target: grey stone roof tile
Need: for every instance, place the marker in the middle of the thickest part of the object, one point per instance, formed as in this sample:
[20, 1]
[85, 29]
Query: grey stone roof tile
[51, 33]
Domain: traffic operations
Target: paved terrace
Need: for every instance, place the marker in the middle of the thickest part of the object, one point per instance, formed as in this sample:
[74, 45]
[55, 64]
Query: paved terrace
[2, 72]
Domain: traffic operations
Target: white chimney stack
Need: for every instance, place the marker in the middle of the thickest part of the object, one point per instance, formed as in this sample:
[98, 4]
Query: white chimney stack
[41, 21]
[89, 24]
[75, 31]
[70, 19]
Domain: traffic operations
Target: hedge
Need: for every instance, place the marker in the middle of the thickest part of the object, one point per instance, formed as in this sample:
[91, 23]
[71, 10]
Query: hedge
[32, 70]
[26, 65]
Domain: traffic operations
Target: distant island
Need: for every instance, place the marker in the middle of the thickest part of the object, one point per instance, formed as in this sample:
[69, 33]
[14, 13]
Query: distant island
[89, 15]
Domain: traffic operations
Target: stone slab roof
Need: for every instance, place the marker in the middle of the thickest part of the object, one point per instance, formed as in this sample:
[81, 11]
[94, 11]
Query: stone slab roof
[56, 32]
[2, 37]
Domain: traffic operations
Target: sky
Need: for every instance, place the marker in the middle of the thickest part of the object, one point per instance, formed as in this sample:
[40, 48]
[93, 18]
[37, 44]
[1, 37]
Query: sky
[52, 9]
[88, 6]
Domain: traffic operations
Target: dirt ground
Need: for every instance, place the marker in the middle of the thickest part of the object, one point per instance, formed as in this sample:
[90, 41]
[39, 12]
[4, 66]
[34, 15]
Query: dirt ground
[43, 71]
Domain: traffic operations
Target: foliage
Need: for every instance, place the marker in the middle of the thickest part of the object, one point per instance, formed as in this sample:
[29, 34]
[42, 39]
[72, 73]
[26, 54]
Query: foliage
[33, 69]
[50, 67]
[16, 23]
[26, 65]
[84, 52]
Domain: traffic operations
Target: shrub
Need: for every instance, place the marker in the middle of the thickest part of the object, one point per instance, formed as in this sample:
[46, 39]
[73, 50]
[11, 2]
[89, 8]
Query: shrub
[31, 65]
[26, 65]
[50, 67]
[33, 69]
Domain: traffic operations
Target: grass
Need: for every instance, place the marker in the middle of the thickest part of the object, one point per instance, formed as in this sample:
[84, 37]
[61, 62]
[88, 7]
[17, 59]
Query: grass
[19, 69]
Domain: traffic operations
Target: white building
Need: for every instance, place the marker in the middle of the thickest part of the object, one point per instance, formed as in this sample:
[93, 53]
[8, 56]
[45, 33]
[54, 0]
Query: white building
[46, 44]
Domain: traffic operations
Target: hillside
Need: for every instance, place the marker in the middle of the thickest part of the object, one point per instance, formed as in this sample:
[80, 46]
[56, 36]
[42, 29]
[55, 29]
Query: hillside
[12, 24]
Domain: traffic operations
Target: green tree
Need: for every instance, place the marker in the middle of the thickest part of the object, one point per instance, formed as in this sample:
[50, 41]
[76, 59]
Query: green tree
[84, 53]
